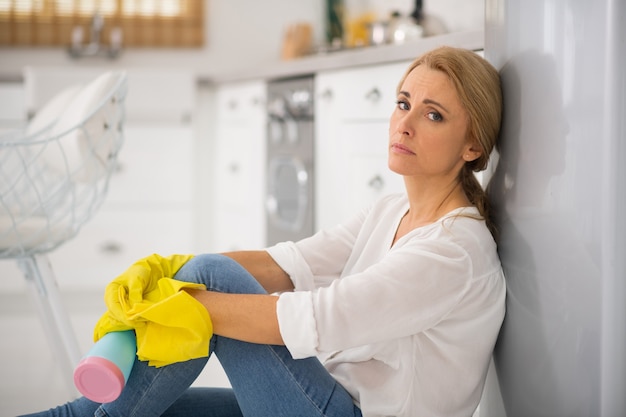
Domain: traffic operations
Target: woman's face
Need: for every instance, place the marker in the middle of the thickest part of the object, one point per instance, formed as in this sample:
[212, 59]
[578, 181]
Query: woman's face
[428, 128]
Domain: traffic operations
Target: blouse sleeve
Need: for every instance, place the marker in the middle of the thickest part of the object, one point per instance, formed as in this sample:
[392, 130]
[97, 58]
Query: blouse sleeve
[316, 261]
[411, 289]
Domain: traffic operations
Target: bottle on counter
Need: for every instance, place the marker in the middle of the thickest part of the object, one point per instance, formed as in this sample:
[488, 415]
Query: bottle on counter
[335, 15]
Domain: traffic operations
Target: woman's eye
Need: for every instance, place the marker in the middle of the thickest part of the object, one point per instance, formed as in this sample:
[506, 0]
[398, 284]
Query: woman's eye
[434, 116]
[402, 105]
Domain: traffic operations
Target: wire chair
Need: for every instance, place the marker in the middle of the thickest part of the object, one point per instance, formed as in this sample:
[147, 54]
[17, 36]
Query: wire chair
[54, 175]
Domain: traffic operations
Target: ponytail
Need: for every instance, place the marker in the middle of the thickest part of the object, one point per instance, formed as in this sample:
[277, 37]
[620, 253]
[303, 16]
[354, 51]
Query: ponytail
[478, 197]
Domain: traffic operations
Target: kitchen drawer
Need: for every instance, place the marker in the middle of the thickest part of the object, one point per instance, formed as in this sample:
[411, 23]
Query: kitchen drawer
[367, 137]
[362, 93]
[113, 240]
[239, 228]
[361, 149]
[367, 173]
[238, 163]
[155, 166]
[243, 102]
[369, 179]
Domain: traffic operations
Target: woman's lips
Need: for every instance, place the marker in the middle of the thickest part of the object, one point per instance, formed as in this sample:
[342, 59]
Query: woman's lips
[399, 148]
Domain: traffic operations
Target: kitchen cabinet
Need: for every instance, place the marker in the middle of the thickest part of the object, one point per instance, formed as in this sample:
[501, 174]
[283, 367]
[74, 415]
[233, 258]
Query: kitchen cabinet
[150, 199]
[148, 209]
[351, 120]
[239, 180]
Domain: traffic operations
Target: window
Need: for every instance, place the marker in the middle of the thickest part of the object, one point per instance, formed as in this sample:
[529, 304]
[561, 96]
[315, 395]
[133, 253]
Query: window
[143, 23]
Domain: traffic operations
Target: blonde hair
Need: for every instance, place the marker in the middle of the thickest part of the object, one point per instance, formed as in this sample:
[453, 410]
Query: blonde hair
[477, 83]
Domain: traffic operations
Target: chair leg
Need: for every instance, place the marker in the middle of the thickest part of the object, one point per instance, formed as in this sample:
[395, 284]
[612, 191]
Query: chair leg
[45, 293]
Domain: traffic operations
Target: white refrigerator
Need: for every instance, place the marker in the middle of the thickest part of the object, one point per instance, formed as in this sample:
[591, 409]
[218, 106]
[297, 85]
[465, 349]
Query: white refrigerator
[560, 195]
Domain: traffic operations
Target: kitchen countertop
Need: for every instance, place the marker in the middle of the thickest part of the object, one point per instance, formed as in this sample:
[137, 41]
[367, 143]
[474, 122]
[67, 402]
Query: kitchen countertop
[474, 40]
[347, 58]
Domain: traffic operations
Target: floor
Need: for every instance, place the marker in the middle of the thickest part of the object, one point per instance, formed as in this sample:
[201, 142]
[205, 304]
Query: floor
[30, 379]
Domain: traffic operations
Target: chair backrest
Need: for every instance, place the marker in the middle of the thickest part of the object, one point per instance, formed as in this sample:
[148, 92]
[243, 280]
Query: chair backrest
[51, 111]
[55, 176]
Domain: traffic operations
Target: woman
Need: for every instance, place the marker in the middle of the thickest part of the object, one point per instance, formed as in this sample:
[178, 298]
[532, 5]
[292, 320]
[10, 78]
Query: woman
[393, 313]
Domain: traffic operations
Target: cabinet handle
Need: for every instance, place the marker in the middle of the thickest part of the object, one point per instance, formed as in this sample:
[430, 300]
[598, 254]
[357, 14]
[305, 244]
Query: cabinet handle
[111, 247]
[327, 94]
[373, 95]
[256, 101]
[377, 183]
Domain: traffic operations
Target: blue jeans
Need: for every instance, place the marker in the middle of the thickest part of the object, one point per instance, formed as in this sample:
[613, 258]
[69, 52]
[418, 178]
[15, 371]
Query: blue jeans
[265, 379]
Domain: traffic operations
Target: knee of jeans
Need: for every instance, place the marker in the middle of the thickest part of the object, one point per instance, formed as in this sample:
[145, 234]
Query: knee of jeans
[219, 273]
[198, 267]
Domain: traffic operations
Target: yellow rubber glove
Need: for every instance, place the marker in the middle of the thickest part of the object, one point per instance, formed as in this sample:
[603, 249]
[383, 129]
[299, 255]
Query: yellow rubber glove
[170, 325]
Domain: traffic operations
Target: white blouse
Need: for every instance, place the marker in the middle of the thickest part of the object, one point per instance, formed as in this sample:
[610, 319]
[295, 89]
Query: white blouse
[407, 329]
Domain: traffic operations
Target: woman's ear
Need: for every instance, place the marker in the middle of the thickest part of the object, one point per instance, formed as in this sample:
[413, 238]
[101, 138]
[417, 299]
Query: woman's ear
[472, 153]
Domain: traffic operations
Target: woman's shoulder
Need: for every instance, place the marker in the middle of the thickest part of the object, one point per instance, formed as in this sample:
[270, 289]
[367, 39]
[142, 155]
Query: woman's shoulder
[467, 229]
[463, 227]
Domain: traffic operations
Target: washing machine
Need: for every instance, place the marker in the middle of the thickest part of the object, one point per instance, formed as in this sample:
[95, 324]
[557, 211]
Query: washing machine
[290, 159]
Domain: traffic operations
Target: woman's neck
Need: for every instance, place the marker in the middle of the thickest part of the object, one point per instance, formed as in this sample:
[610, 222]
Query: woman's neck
[428, 207]
[429, 203]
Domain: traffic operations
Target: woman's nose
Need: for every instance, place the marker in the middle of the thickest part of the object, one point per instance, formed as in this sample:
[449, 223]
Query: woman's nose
[405, 125]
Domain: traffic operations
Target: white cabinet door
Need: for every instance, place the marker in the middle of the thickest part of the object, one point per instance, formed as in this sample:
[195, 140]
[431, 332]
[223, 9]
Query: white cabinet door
[239, 181]
[352, 116]
[148, 209]
[113, 240]
[154, 166]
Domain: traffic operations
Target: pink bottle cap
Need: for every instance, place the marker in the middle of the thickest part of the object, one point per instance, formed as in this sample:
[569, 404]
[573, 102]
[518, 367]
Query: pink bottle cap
[98, 379]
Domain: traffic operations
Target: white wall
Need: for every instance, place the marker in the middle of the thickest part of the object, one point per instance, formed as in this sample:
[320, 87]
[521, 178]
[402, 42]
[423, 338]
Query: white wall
[240, 33]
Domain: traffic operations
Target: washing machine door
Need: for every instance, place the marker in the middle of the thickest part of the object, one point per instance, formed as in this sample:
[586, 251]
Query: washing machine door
[288, 193]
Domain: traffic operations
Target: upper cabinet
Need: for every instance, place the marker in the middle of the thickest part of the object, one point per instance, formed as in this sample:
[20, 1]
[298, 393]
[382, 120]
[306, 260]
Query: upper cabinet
[352, 119]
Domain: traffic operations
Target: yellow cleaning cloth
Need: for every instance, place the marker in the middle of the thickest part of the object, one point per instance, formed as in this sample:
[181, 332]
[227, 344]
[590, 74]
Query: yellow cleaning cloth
[170, 325]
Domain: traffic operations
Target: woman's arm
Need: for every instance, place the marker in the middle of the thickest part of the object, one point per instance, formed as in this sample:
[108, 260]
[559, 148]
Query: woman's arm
[247, 317]
[253, 317]
[262, 267]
